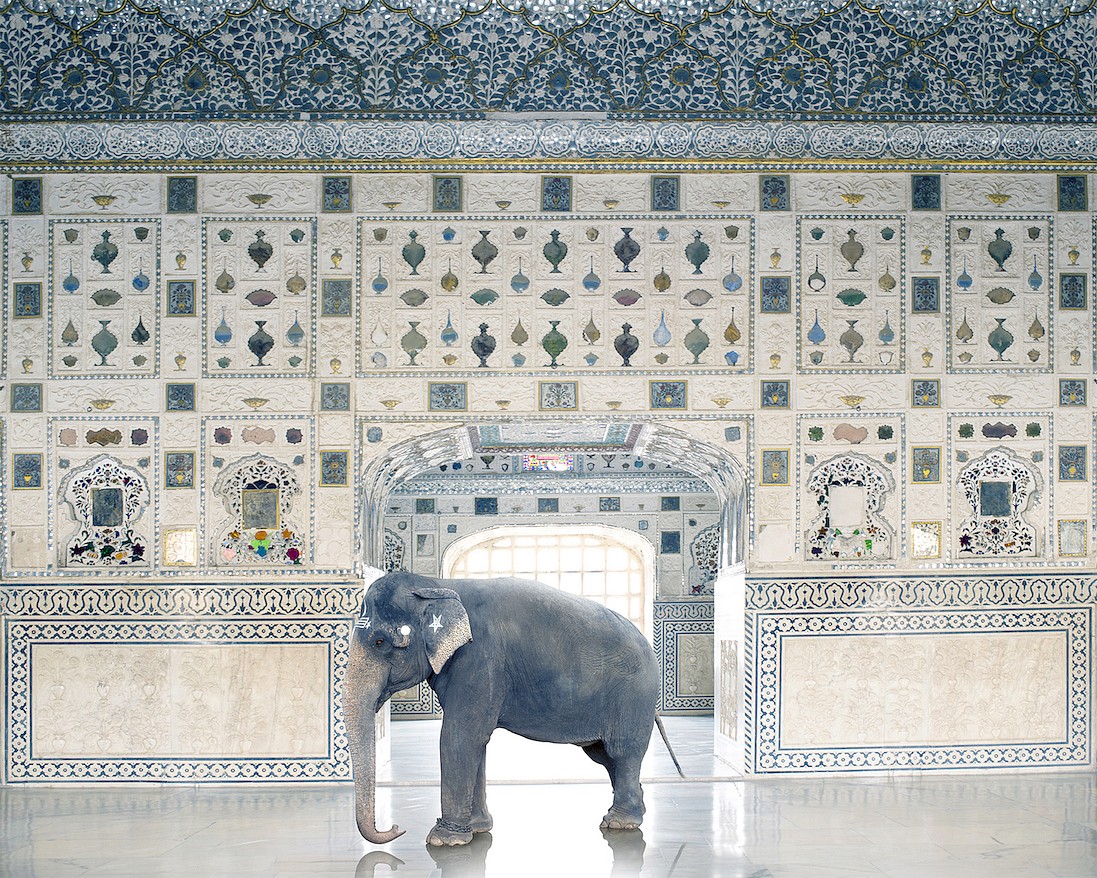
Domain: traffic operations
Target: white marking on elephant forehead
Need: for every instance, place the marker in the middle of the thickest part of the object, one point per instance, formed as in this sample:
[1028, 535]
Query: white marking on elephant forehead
[405, 630]
[436, 623]
[362, 622]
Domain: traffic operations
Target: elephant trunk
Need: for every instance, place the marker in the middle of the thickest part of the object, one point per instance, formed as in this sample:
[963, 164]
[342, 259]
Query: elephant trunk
[360, 694]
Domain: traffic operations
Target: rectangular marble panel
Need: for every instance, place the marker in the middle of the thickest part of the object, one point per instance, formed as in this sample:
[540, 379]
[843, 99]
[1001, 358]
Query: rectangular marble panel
[944, 689]
[178, 700]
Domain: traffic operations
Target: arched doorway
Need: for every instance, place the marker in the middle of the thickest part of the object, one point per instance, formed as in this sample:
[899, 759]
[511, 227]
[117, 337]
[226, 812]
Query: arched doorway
[715, 638]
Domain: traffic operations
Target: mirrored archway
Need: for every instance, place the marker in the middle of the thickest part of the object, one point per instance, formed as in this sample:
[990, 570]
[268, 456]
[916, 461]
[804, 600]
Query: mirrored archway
[652, 440]
[682, 495]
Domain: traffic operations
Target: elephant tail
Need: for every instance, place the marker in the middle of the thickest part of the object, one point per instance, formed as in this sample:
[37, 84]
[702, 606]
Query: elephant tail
[670, 750]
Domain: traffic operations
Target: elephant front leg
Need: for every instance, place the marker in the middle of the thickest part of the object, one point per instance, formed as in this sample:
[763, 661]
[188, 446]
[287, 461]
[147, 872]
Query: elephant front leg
[462, 757]
[481, 817]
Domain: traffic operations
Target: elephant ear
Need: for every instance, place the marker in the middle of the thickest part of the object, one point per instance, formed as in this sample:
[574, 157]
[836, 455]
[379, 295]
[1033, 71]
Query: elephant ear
[445, 624]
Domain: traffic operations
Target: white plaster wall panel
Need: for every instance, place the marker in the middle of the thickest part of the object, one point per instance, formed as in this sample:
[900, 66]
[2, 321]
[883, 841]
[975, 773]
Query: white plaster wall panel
[729, 191]
[695, 665]
[944, 689]
[999, 192]
[839, 192]
[265, 193]
[406, 193]
[178, 701]
[102, 194]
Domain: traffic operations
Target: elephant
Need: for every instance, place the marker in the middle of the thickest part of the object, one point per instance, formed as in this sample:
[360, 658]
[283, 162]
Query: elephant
[500, 653]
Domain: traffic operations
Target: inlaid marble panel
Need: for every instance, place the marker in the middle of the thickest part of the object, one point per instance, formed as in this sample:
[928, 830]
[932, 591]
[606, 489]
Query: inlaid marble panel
[186, 701]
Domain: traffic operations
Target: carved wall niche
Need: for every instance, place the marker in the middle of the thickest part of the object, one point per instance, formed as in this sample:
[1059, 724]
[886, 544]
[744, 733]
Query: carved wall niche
[107, 500]
[998, 488]
[850, 491]
[258, 494]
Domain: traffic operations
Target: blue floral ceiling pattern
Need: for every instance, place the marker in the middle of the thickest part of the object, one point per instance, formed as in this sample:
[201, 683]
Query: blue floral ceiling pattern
[219, 60]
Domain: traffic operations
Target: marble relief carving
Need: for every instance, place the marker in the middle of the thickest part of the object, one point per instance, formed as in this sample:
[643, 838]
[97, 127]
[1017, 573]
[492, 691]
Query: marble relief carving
[103, 297]
[596, 294]
[999, 291]
[259, 296]
[260, 495]
[852, 291]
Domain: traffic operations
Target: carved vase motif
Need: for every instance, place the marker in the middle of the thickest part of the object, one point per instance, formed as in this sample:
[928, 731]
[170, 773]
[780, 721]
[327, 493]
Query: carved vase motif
[626, 250]
[260, 342]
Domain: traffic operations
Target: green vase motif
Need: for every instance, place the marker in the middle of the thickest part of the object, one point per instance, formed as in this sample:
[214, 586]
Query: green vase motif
[104, 342]
[999, 250]
[554, 342]
[484, 251]
[414, 253]
[852, 250]
[413, 341]
[697, 252]
[1000, 339]
[696, 341]
[105, 253]
[555, 251]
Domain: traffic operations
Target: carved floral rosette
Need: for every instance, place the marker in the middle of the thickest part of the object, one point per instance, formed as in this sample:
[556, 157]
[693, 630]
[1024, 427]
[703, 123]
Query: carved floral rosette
[117, 544]
[874, 539]
[280, 543]
[983, 535]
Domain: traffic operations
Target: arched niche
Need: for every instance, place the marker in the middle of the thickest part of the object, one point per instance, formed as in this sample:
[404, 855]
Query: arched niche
[653, 440]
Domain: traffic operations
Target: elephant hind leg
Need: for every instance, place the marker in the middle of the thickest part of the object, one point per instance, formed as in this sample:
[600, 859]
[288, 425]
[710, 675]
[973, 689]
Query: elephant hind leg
[597, 753]
[628, 797]
[624, 775]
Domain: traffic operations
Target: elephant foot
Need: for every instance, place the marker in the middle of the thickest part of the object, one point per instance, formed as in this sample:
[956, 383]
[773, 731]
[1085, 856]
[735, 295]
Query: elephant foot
[445, 834]
[619, 820]
[482, 823]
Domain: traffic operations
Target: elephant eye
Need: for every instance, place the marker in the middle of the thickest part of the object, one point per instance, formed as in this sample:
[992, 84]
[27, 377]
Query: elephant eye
[380, 641]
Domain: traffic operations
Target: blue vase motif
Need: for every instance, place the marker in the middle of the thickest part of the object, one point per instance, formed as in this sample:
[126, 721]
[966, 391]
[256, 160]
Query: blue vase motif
[449, 334]
[817, 335]
[661, 336]
[223, 333]
[626, 250]
[140, 335]
[105, 252]
[1000, 249]
[732, 281]
[295, 334]
[697, 252]
[886, 334]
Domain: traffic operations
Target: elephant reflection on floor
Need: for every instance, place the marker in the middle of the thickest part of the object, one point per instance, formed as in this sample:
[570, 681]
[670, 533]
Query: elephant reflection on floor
[499, 653]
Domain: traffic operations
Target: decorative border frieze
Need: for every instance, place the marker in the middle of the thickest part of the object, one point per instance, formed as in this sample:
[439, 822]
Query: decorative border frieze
[920, 592]
[529, 144]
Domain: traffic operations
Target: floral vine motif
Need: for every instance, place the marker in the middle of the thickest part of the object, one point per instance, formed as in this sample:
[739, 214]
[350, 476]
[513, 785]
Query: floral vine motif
[258, 493]
[705, 551]
[999, 488]
[871, 538]
[107, 499]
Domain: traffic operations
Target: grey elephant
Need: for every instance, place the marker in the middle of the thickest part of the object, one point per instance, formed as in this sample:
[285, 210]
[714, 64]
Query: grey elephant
[500, 653]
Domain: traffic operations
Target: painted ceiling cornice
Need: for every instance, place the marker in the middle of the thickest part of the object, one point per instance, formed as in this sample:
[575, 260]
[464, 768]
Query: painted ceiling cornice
[902, 61]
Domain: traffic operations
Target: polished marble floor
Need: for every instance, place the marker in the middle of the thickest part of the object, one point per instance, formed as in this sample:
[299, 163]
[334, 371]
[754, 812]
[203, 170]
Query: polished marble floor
[547, 801]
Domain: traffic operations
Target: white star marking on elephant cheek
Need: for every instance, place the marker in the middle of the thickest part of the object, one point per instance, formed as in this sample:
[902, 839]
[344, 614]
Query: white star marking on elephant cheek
[436, 624]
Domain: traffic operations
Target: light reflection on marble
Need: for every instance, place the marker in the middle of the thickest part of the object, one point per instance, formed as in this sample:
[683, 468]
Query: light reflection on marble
[547, 806]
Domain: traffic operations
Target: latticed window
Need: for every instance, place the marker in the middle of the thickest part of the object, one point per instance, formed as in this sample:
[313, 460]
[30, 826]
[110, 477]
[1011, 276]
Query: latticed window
[608, 565]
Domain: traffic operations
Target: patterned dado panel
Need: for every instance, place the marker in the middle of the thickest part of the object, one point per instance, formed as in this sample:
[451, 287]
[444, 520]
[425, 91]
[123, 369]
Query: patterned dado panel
[960, 59]
[199, 682]
[907, 673]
